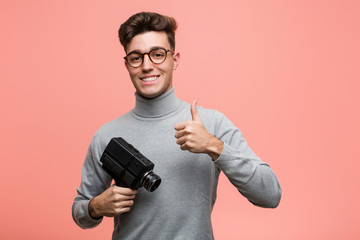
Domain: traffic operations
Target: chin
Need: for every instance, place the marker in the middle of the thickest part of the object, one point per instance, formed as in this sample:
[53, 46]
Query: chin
[148, 94]
[151, 92]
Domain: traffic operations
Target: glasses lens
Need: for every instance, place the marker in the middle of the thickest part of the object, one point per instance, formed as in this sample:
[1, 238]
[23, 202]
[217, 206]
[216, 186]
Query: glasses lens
[157, 55]
[134, 59]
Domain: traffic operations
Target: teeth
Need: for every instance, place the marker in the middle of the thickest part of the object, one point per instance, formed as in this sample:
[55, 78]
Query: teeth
[149, 79]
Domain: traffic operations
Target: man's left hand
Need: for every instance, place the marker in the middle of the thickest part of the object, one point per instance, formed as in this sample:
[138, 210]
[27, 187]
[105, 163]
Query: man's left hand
[193, 136]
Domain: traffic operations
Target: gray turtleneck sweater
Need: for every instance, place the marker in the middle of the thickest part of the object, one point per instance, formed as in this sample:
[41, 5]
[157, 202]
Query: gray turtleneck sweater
[181, 207]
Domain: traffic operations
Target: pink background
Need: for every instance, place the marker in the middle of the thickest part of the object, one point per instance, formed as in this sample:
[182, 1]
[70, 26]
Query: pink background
[285, 72]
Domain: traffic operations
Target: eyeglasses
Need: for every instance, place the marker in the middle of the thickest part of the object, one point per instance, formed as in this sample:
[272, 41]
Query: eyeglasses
[156, 55]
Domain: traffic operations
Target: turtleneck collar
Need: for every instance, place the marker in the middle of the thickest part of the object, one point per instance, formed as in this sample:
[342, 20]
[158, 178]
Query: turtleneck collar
[156, 107]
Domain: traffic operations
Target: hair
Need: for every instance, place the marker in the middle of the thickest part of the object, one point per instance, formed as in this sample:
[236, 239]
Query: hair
[144, 22]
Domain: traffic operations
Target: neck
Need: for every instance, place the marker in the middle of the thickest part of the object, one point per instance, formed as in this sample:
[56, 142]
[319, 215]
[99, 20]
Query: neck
[158, 106]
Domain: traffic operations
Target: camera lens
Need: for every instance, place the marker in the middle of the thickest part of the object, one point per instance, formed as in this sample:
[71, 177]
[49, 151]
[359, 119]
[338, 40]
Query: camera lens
[150, 181]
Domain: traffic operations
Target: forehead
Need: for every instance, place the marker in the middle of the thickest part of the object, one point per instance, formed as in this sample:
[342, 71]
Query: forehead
[145, 41]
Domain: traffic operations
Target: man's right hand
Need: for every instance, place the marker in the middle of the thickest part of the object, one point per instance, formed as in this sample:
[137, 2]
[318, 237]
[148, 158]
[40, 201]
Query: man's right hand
[113, 201]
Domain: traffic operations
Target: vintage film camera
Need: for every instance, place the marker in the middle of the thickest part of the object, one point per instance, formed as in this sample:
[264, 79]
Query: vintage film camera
[128, 167]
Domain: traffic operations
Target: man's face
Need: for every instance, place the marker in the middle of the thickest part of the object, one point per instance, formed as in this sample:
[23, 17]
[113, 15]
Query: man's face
[151, 80]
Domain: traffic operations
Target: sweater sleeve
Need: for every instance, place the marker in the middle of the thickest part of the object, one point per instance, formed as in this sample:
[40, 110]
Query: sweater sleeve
[94, 181]
[253, 178]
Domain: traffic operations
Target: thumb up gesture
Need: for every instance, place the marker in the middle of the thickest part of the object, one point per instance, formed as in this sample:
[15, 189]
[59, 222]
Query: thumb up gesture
[193, 136]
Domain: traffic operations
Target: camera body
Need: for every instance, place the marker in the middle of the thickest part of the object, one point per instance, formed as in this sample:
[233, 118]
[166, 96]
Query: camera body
[128, 167]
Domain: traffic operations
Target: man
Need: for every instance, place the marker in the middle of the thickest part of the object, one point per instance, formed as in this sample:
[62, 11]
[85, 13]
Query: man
[189, 146]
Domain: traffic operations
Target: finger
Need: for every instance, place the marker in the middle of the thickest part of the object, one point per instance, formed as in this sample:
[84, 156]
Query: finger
[121, 210]
[194, 112]
[119, 198]
[124, 204]
[180, 126]
[181, 141]
[180, 134]
[122, 197]
[125, 191]
[185, 146]
[124, 210]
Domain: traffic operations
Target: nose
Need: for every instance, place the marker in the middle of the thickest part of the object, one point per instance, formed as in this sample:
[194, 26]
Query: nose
[147, 64]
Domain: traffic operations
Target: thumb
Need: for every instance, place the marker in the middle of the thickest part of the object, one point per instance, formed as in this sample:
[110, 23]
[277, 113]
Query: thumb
[194, 112]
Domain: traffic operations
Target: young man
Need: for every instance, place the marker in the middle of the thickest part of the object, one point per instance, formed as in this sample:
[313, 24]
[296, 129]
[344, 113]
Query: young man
[172, 134]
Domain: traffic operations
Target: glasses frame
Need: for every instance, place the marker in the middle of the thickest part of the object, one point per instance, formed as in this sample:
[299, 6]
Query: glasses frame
[148, 53]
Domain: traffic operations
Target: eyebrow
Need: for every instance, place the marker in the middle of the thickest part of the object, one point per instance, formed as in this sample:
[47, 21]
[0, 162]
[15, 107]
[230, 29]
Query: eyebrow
[152, 48]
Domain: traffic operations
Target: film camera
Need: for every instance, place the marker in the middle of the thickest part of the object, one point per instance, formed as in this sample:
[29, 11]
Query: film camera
[128, 167]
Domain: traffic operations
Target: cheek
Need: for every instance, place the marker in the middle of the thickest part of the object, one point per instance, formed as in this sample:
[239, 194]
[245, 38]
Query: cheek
[132, 73]
[168, 68]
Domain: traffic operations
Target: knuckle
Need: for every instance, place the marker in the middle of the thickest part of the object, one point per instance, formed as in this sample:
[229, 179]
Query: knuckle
[117, 197]
[186, 145]
[111, 190]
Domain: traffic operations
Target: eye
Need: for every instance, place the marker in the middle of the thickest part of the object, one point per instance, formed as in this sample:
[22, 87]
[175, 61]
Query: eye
[134, 58]
[158, 53]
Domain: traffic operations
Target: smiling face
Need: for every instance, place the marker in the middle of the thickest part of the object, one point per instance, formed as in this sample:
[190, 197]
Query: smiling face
[151, 80]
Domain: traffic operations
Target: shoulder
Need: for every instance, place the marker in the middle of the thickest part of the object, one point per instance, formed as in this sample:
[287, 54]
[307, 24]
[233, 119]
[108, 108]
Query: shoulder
[110, 129]
[211, 118]
[208, 114]
[217, 123]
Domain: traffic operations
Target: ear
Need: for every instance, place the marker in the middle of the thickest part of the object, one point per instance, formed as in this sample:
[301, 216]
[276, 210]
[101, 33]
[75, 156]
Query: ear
[176, 60]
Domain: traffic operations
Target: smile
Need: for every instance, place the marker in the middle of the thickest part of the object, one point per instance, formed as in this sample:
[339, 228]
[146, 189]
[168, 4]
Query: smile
[150, 79]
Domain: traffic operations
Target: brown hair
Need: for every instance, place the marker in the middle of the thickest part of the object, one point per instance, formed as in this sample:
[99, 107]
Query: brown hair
[144, 22]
